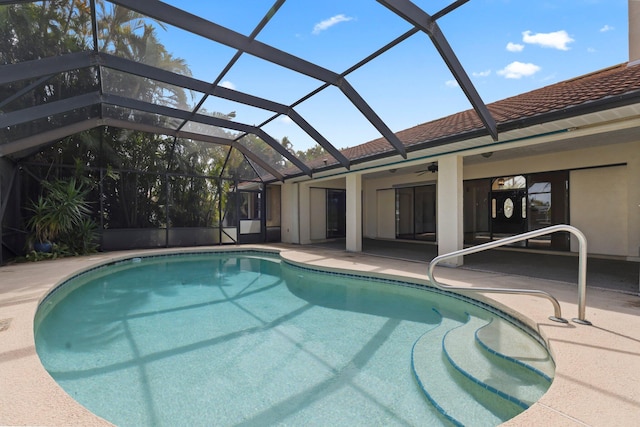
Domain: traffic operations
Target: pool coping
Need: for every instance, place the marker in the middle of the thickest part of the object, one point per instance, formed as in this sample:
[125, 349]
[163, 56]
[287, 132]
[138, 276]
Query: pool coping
[597, 379]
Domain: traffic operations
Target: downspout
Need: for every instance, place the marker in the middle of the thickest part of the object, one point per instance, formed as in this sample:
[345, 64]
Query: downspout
[634, 33]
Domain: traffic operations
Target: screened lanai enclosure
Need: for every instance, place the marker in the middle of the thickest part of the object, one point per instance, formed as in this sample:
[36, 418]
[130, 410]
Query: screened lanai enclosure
[130, 105]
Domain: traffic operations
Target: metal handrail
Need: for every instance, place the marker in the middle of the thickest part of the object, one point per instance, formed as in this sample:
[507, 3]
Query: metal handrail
[582, 270]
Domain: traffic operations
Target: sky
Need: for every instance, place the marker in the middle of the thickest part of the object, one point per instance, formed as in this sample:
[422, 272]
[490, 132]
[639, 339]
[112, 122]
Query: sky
[507, 47]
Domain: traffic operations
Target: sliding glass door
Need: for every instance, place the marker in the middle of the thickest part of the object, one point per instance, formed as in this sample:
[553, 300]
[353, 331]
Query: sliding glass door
[416, 213]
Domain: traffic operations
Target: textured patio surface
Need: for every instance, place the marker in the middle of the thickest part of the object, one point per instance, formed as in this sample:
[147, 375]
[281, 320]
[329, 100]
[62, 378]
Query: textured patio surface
[614, 274]
[597, 379]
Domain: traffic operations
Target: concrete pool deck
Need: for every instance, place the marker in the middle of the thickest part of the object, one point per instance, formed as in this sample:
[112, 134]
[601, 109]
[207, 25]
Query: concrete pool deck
[597, 380]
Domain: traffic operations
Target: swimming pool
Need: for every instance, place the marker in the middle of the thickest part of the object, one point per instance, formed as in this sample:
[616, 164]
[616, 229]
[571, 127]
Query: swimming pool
[243, 338]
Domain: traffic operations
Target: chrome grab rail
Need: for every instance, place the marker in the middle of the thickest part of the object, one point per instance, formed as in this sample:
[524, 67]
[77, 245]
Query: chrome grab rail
[582, 270]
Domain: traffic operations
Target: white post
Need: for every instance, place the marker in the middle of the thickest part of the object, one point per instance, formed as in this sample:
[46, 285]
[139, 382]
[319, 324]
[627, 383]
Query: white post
[354, 212]
[450, 229]
[304, 212]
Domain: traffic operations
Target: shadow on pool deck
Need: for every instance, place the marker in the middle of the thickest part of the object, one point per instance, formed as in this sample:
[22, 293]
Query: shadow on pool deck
[602, 273]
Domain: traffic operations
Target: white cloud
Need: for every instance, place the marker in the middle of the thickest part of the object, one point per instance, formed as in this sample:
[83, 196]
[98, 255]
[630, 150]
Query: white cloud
[591, 50]
[606, 28]
[485, 73]
[451, 83]
[556, 40]
[285, 119]
[517, 70]
[328, 23]
[228, 84]
[514, 47]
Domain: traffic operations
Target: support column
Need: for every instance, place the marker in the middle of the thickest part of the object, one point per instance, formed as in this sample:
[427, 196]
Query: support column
[450, 226]
[354, 212]
[304, 213]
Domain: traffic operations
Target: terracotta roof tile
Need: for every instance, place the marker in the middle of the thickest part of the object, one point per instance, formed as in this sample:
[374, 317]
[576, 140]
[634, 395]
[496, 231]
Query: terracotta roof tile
[605, 83]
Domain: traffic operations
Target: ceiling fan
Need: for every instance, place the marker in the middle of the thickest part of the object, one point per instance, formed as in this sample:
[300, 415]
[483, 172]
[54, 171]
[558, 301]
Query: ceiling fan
[433, 168]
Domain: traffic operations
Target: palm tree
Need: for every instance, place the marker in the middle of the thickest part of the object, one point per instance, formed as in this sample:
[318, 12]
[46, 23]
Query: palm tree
[129, 34]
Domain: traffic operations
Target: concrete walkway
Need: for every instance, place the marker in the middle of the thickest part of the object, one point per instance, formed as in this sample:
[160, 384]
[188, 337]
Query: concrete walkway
[597, 379]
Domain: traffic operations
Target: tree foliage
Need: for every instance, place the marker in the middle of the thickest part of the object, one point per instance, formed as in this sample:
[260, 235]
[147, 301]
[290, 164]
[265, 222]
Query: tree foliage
[138, 180]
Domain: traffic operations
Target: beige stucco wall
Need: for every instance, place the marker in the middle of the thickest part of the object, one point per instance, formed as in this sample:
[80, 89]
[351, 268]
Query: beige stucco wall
[378, 209]
[374, 225]
[313, 210]
[289, 213]
[626, 225]
[385, 214]
[598, 207]
[575, 159]
[627, 218]
[633, 202]
[318, 211]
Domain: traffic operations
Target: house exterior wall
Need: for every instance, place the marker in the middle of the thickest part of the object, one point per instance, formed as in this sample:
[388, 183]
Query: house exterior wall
[585, 186]
[604, 196]
[612, 226]
[304, 210]
[633, 204]
[290, 213]
[318, 218]
[377, 214]
[598, 206]
[385, 215]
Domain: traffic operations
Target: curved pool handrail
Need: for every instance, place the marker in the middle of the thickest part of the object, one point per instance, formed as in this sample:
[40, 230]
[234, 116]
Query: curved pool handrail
[582, 270]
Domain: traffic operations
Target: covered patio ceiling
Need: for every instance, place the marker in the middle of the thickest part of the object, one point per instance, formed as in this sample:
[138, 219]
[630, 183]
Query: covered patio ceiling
[30, 122]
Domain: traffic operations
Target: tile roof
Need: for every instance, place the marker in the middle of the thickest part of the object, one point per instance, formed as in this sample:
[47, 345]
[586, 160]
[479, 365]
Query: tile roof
[560, 97]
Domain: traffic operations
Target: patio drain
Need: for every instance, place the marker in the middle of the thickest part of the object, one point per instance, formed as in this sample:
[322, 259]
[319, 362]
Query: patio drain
[4, 324]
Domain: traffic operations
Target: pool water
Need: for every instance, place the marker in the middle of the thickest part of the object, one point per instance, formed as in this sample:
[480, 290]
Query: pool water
[245, 339]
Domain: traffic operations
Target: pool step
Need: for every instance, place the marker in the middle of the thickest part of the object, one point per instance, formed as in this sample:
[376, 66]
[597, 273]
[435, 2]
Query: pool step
[460, 400]
[509, 342]
[507, 377]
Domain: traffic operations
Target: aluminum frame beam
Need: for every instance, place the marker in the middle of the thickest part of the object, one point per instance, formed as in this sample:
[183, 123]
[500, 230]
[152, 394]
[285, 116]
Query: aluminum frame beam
[25, 90]
[453, 6]
[124, 124]
[375, 54]
[208, 120]
[45, 138]
[263, 22]
[49, 109]
[422, 20]
[275, 107]
[207, 29]
[41, 67]
[143, 70]
[87, 100]
[194, 24]
[48, 66]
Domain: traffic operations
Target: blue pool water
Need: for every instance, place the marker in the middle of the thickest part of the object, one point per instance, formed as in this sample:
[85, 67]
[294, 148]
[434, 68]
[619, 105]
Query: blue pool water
[245, 339]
